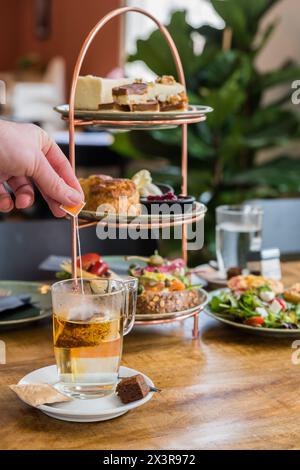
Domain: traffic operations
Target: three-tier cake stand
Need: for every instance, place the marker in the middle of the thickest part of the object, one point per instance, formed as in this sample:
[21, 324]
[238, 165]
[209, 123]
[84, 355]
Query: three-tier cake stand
[132, 123]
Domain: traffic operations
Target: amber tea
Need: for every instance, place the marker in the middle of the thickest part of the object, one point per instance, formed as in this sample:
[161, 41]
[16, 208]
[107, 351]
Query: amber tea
[88, 353]
[88, 329]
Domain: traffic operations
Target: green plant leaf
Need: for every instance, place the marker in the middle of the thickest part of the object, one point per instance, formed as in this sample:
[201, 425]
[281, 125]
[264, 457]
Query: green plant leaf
[156, 53]
[287, 73]
[282, 174]
[265, 36]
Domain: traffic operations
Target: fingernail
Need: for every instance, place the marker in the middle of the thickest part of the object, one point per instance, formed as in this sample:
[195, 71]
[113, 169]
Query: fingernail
[74, 197]
[5, 204]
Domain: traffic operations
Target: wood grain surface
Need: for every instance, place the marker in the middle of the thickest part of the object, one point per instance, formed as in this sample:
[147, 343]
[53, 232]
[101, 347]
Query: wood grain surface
[226, 390]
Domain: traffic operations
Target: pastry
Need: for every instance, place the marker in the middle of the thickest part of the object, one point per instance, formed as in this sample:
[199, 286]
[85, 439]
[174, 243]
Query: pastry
[115, 195]
[125, 94]
[292, 294]
[93, 93]
[133, 97]
[170, 94]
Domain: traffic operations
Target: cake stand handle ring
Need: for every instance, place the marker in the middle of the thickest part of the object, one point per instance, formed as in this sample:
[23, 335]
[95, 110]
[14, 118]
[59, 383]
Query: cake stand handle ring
[88, 41]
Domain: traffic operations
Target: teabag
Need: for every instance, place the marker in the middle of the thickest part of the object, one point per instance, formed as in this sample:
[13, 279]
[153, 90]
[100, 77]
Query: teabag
[85, 312]
[82, 312]
[38, 394]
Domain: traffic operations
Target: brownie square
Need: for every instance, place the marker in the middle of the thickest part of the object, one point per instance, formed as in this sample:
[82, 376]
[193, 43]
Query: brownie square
[132, 389]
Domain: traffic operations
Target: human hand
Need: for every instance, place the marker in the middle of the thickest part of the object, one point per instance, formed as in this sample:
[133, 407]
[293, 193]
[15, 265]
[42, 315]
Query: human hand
[28, 155]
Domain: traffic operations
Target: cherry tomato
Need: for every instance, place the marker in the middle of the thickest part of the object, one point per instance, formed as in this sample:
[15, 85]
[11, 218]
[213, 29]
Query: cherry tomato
[99, 268]
[88, 260]
[254, 321]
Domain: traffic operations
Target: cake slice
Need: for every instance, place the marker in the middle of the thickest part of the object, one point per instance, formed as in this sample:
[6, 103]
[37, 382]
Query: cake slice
[135, 97]
[170, 94]
[93, 93]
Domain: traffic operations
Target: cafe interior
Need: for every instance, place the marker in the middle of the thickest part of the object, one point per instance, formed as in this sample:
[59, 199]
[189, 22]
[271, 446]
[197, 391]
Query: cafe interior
[220, 366]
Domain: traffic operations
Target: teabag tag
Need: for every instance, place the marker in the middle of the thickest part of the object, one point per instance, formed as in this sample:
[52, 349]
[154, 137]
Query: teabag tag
[74, 210]
[38, 394]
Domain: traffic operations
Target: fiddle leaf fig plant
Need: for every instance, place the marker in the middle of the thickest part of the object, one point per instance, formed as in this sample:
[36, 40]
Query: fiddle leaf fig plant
[223, 151]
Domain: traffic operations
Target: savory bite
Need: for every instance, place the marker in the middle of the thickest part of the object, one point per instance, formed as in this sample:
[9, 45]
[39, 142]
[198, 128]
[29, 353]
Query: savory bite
[243, 283]
[292, 294]
[114, 195]
[164, 286]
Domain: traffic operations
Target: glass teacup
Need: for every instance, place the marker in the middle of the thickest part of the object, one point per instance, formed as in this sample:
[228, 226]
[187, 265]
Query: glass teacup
[90, 319]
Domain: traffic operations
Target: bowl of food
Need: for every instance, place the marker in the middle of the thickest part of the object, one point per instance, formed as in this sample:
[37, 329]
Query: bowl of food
[165, 287]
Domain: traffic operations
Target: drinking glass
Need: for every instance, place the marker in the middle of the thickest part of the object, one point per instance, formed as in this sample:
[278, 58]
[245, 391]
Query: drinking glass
[90, 318]
[238, 230]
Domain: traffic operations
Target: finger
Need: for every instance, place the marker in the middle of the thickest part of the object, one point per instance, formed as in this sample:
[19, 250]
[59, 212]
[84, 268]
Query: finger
[59, 162]
[53, 186]
[53, 206]
[23, 191]
[6, 202]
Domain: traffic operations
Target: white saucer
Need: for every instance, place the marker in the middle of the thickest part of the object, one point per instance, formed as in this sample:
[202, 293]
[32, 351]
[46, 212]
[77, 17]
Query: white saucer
[84, 411]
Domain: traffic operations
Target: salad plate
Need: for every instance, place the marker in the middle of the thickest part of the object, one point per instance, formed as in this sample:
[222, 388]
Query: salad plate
[256, 330]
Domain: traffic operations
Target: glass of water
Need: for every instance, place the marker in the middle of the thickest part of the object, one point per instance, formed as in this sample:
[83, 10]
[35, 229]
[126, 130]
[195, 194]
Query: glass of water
[238, 231]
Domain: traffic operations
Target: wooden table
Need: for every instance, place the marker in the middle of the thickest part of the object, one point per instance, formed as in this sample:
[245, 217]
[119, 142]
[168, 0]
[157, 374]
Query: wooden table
[226, 390]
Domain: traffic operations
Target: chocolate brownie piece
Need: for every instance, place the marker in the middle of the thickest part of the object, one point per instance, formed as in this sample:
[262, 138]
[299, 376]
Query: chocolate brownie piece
[132, 89]
[132, 389]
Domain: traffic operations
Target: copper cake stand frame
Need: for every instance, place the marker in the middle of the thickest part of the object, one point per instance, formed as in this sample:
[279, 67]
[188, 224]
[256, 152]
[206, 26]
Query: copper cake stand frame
[183, 122]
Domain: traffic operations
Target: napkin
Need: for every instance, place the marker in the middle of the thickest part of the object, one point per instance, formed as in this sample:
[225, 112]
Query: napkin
[53, 263]
[12, 302]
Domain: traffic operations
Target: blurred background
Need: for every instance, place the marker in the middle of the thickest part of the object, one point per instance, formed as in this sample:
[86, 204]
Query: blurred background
[241, 57]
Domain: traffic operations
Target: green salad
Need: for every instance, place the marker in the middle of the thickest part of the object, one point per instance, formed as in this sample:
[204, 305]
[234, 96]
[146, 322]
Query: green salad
[258, 308]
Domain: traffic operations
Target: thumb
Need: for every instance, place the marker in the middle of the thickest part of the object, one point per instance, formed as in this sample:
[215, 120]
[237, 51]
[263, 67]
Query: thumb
[52, 185]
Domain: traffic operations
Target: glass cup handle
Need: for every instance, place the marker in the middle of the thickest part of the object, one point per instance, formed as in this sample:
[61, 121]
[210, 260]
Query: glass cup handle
[130, 304]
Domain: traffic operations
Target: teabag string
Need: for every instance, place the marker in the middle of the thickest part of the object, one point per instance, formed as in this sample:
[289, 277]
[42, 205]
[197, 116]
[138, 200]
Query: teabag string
[79, 253]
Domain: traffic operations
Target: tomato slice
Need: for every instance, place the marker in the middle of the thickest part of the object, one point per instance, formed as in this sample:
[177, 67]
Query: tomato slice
[281, 302]
[254, 321]
[88, 260]
[176, 285]
[99, 268]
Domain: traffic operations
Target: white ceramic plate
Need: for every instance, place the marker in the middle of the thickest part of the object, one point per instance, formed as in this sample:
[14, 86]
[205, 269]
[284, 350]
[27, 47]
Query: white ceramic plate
[137, 120]
[85, 411]
[261, 331]
[192, 111]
